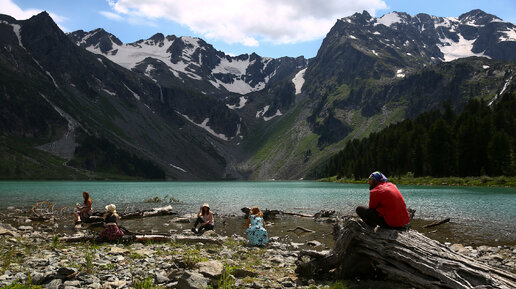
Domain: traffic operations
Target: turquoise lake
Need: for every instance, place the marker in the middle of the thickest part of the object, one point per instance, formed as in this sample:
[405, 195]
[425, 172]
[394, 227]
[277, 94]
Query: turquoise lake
[487, 209]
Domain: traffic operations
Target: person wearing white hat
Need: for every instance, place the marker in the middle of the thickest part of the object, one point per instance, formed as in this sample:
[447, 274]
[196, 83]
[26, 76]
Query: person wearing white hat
[111, 230]
[205, 219]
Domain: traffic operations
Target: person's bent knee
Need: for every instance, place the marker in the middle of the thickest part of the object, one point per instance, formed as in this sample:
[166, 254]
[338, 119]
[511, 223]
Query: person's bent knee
[361, 210]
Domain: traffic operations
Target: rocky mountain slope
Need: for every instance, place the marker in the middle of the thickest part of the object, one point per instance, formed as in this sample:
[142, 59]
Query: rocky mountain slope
[74, 93]
[370, 72]
[198, 113]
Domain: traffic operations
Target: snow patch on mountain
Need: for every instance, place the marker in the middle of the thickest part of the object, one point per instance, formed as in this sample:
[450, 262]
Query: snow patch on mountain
[508, 35]
[261, 112]
[240, 105]
[109, 92]
[204, 125]
[134, 93]
[453, 50]
[148, 70]
[178, 168]
[501, 92]
[299, 80]
[389, 19]
[278, 113]
[51, 77]
[17, 31]
[238, 69]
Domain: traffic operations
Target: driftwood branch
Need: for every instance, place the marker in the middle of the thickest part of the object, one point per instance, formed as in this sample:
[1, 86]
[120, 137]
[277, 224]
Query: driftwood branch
[164, 211]
[302, 229]
[405, 257]
[435, 224]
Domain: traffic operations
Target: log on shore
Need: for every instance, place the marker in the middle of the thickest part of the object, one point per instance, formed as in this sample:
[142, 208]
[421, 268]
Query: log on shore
[406, 257]
[144, 238]
[130, 238]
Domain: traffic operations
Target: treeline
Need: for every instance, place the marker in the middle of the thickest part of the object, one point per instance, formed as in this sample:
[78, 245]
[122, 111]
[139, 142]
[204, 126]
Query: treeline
[100, 155]
[481, 140]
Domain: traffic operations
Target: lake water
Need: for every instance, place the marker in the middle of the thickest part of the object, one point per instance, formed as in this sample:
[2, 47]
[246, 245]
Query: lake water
[484, 210]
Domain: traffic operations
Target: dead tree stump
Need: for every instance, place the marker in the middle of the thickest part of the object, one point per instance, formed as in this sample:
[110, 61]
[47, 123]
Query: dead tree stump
[407, 257]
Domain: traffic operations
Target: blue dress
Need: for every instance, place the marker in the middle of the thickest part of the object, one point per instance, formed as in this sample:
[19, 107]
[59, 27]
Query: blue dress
[256, 233]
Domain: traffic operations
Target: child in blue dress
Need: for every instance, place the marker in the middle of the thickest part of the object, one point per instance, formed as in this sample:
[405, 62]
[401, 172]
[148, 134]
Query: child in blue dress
[256, 232]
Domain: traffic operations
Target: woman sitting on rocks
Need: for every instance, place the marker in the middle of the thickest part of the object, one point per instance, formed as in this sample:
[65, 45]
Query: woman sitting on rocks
[256, 232]
[205, 218]
[111, 230]
[84, 212]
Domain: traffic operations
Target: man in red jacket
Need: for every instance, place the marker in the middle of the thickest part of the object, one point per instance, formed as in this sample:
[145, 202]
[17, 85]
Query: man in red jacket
[387, 207]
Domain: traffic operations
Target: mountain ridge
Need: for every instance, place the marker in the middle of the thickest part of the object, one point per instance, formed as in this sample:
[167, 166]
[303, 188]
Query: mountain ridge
[201, 114]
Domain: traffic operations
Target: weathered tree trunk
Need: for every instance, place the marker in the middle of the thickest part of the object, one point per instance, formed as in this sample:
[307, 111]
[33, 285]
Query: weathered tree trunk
[407, 257]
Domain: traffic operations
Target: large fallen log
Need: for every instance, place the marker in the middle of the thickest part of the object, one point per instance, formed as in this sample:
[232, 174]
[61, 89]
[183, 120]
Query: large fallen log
[407, 257]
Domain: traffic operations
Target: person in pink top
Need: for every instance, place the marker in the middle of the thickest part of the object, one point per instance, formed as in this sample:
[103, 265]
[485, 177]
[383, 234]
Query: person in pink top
[387, 207]
[205, 219]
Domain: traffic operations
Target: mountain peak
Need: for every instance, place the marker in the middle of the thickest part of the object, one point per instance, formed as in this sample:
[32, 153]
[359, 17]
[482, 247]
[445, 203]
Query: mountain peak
[477, 17]
[158, 37]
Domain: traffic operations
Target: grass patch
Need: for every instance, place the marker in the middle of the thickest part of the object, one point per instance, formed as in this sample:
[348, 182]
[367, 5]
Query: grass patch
[146, 283]
[192, 256]
[266, 142]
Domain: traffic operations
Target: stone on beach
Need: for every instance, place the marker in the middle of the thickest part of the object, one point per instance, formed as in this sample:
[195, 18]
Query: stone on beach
[211, 269]
[192, 280]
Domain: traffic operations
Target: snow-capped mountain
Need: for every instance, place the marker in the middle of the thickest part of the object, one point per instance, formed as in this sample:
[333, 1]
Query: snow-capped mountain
[199, 113]
[475, 33]
[396, 44]
[190, 59]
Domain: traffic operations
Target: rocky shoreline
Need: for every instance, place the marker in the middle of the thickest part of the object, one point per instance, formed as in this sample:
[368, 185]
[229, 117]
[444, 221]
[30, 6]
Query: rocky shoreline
[35, 254]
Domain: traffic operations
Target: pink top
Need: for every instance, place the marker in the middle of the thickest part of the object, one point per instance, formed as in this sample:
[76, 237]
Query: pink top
[207, 217]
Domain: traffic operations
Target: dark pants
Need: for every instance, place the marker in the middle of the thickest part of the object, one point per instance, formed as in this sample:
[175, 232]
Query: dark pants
[371, 217]
[205, 227]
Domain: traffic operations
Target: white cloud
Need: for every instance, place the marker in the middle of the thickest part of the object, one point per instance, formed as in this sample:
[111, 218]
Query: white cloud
[8, 7]
[250, 21]
[111, 15]
[11, 9]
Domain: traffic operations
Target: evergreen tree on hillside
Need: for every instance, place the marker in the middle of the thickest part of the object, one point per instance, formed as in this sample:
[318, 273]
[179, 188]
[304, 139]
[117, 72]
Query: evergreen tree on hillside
[478, 141]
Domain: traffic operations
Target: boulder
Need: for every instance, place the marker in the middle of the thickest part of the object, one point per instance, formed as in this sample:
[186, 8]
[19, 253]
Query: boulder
[54, 284]
[192, 280]
[211, 269]
[117, 250]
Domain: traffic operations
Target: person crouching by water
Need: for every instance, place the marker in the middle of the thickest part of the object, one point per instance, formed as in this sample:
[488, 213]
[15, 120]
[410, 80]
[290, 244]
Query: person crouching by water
[84, 212]
[256, 232]
[387, 207]
[111, 230]
[205, 218]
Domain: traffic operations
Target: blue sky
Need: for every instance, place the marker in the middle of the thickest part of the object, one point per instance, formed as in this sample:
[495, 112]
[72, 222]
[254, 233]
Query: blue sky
[272, 28]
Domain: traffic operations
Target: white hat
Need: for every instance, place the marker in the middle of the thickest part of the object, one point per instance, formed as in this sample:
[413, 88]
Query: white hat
[111, 208]
[206, 205]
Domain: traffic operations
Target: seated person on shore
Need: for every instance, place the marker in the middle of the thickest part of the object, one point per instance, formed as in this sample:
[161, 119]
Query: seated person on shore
[256, 232]
[387, 207]
[111, 230]
[84, 212]
[205, 219]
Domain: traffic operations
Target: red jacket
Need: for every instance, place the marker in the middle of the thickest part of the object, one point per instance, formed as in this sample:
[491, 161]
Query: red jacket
[388, 201]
